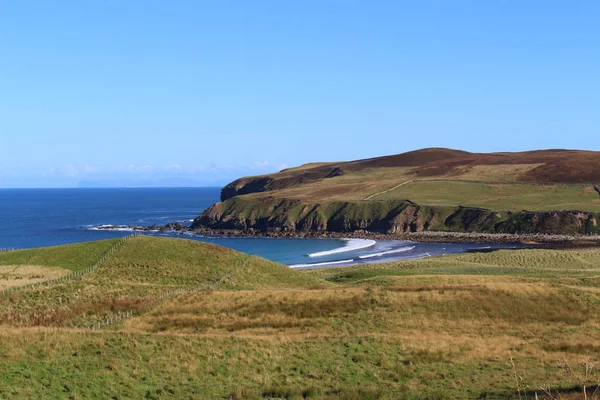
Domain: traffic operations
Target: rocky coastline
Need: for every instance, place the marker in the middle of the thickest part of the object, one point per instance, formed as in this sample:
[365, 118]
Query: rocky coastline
[540, 240]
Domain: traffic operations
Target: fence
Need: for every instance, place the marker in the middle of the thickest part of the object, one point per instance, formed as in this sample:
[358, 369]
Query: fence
[172, 292]
[75, 274]
[5, 249]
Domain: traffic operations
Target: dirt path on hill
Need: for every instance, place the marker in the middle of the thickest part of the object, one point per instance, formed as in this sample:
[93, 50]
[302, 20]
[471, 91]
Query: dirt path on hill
[388, 190]
[596, 188]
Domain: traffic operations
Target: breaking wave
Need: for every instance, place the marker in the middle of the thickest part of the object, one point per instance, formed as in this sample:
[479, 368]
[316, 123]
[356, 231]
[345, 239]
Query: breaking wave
[351, 245]
[119, 228]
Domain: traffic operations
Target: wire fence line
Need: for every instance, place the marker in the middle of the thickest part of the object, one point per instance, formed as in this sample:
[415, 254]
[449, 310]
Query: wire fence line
[75, 274]
[5, 249]
[167, 293]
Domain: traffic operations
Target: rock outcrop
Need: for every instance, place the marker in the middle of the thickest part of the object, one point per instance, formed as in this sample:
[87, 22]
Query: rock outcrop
[394, 216]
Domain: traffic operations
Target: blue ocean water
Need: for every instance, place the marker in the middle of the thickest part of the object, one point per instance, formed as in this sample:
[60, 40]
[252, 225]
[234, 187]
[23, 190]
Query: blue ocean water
[48, 217]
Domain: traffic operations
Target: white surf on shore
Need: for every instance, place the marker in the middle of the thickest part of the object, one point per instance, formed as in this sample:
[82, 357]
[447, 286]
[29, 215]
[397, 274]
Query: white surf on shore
[351, 245]
[322, 264]
[118, 228]
[385, 253]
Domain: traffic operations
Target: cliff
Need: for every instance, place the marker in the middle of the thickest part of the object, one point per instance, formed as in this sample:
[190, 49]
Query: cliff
[386, 217]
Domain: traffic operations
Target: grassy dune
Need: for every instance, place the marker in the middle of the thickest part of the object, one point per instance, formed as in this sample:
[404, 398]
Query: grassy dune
[461, 326]
[74, 257]
[134, 277]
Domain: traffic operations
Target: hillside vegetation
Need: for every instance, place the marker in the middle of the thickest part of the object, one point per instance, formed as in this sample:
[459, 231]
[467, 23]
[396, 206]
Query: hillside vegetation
[365, 177]
[514, 190]
[505, 197]
[461, 326]
[132, 279]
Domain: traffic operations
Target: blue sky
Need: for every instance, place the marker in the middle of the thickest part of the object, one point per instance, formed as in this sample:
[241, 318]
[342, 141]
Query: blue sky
[192, 92]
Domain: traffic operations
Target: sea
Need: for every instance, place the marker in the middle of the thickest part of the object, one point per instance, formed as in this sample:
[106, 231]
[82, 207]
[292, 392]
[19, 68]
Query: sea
[49, 217]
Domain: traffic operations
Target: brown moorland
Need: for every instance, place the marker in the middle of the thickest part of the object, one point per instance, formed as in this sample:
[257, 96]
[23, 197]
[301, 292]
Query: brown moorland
[540, 166]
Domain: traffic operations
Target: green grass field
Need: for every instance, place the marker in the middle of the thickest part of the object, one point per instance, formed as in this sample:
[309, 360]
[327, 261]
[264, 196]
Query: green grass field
[73, 257]
[498, 196]
[487, 325]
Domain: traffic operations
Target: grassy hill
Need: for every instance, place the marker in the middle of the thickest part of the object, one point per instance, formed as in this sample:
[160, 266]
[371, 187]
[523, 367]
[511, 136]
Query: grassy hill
[73, 257]
[131, 279]
[363, 178]
[438, 182]
[460, 326]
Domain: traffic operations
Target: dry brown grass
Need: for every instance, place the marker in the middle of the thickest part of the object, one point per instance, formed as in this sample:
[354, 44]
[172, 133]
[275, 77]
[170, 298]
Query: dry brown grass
[437, 320]
[415, 336]
[499, 173]
[413, 330]
[482, 316]
[21, 275]
[62, 316]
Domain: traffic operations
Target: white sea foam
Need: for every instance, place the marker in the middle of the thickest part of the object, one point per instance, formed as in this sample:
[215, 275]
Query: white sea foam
[351, 245]
[383, 253]
[322, 264]
[118, 228]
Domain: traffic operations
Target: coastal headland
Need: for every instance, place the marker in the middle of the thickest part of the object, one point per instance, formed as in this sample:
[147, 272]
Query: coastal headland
[547, 192]
[538, 197]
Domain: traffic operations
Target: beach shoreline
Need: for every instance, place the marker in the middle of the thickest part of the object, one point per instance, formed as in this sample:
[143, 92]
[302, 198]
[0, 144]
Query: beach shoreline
[536, 240]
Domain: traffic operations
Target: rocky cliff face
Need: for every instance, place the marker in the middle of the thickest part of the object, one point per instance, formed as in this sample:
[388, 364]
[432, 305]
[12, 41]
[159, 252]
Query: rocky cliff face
[386, 217]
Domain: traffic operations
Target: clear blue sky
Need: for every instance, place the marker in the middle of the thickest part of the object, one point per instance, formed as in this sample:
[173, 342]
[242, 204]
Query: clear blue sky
[178, 92]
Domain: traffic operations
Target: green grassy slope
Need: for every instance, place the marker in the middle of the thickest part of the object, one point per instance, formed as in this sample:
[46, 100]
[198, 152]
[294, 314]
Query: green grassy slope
[74, 257]
[134, 277]
[498, 196]
[180, 262]
[575, 266]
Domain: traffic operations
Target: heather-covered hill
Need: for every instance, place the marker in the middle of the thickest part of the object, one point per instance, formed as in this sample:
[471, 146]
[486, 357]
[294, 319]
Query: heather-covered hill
[541, 166]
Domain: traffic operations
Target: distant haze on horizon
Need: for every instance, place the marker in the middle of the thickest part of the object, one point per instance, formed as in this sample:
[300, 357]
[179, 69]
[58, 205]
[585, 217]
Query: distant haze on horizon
[190, 93]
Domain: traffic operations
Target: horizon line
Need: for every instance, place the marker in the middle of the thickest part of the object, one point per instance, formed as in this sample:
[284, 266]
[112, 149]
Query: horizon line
[111, 187]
